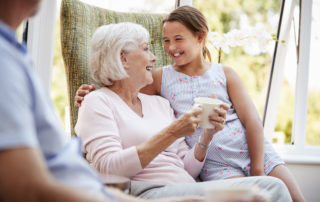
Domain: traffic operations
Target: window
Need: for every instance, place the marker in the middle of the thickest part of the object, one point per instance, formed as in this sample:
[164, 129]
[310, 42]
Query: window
[285, 116]
[293, 111]
[19, 31]
[253, 68]
[284, 119]
[313, 113]
[298, 28]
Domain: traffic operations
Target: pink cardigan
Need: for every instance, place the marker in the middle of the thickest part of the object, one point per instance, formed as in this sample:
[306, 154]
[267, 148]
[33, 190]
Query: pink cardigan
[110, 131]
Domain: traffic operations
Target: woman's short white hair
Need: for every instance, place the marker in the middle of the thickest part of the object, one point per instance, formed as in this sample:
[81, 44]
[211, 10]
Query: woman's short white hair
[107, 43]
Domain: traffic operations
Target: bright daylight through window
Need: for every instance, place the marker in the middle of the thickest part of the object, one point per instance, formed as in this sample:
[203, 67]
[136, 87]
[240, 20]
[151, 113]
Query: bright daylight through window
[252, 66]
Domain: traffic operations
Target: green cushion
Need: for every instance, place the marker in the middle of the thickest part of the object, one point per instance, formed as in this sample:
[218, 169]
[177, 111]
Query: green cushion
[78, 23]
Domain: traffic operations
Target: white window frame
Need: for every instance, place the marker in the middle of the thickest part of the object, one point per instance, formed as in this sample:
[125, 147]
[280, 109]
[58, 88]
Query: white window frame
[183, 3]
[298, 151]
[40, 42]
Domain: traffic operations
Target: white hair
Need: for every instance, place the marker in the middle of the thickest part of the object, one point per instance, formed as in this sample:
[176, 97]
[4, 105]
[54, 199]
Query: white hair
[107, 43]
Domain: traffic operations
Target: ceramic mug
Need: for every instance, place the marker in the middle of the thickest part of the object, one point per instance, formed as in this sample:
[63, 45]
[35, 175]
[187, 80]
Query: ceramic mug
[208, 105]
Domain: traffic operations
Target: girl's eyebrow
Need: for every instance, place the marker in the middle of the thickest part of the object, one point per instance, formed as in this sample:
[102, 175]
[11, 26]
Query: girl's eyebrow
[178, 35]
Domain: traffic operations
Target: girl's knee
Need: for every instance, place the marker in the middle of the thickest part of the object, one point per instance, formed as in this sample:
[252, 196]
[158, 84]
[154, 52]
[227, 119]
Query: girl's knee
[278, 189]
[276, 182]
[271, 183]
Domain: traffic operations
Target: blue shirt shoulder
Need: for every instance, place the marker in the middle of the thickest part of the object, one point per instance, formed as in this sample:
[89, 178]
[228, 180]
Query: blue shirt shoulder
[28, 119]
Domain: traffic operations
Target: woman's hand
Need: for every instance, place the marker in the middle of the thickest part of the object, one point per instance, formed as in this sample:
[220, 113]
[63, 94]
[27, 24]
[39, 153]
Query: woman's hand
[185, 124]
[82, 91]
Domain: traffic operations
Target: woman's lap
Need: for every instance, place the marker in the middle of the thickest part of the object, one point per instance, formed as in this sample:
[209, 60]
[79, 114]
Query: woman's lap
[269, 185]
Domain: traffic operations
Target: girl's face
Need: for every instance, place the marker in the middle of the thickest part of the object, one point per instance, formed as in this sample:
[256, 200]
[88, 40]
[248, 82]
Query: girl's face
[181, 44]
[139, 63]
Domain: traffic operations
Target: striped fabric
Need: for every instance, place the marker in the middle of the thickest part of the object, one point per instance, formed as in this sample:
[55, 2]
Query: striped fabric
[78, 23]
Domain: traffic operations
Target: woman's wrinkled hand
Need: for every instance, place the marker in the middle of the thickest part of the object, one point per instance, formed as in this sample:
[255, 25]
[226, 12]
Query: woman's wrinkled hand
[82, 91]
[186, 124]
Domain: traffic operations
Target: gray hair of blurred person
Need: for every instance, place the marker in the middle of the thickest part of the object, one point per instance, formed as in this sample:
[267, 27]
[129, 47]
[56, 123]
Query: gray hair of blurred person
[107, 44]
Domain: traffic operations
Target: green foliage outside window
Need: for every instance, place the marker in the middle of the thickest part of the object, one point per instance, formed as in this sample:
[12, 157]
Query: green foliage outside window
[224, 16]
[254, 70]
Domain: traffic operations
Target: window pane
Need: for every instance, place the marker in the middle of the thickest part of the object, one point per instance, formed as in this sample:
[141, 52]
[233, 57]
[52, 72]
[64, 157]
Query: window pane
[283, 129]
[251, 65]
[313, 119]
[19, 32]
[58, 93]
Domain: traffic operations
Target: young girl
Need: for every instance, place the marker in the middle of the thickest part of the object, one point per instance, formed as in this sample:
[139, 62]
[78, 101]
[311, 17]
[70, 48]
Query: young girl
[240, 148]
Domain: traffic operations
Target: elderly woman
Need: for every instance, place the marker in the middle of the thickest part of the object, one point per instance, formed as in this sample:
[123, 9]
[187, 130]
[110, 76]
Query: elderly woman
[133, 135]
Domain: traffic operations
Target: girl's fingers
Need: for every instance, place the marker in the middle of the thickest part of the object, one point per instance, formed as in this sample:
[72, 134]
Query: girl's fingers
[77, 101]
[219, 119]
[78, 98]
[82, 93]
[92, 87]
[220, 112]
[85, 87]
[218, 126]
[225, 106]
[83, 90]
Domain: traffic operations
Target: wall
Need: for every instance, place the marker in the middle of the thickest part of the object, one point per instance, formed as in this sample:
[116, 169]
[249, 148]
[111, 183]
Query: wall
[308, 177]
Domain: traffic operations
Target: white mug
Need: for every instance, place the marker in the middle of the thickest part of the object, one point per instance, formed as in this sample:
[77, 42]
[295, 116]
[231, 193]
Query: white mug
[208, 105]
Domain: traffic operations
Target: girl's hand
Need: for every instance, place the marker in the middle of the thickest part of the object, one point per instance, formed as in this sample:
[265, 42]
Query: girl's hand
[82, 91]
[186, 124]
[218, 118]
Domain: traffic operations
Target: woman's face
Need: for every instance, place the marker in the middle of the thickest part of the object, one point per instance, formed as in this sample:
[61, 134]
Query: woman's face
[139, 63]
[180, 43]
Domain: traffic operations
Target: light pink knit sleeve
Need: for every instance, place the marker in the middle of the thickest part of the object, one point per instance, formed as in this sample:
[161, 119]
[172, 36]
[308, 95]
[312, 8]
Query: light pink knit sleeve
[191, 164]
[97, 128]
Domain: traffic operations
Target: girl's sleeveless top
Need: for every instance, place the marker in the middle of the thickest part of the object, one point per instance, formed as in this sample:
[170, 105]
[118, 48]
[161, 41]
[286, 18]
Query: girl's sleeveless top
[181, 89]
